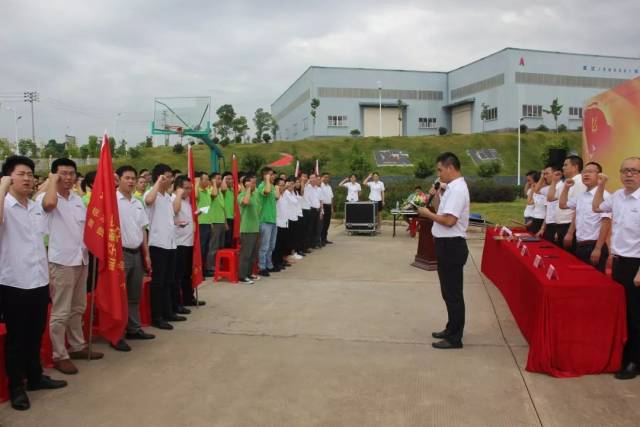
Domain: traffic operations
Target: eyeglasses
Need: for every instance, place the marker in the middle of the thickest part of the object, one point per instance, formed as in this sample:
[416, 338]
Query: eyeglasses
[630, 171]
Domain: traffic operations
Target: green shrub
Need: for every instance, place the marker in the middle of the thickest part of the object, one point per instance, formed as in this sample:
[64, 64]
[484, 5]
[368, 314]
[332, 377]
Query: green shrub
[252, 163]
[542, 128]
[178, 148]
[562, 128]
[424, 169]
[487, 191]
[523, 128]
[489, 169]
[442, 130]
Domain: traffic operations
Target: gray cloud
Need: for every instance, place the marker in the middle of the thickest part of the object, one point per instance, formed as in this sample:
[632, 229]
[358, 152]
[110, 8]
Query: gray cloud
[94, 59]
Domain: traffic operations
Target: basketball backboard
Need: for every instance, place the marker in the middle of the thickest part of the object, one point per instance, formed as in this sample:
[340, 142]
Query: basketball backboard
[182, 115]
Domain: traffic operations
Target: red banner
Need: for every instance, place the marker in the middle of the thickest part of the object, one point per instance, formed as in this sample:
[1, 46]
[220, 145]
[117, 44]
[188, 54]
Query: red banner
[102, 238]
[196, 271]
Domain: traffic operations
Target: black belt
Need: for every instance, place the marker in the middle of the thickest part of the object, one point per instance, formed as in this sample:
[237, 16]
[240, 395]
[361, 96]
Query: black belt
[449, 238]
[315, 209]
[626, 258]
[586, 242]
[131, 251]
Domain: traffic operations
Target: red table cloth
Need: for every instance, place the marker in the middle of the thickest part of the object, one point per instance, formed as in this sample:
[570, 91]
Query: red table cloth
[575, 324]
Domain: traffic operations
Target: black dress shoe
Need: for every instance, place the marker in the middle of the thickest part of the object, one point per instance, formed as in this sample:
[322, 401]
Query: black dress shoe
[208, 273]
[440, 335]
[328, 242]
[274, 269]
[161, 324]
[446, 344]
[193, 303]
[628, 372]
[19, 399]
[140, 335]
[46, 383]
[121, 345]
[264, 273]
[182, 310]
[176, 318]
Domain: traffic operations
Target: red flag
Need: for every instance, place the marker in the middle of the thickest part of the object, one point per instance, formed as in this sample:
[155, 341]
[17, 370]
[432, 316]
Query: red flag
[196, 269]
[236, 208]
[297, 172]
[102, 238]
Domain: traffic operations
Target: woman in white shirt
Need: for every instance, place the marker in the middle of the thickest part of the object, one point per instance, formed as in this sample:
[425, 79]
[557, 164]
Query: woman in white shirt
[353, 188]
[376, 193]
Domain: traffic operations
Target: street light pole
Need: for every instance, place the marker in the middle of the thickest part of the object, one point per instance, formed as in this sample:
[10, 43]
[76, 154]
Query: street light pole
[32, 97]
[519, 123]
[380, 109]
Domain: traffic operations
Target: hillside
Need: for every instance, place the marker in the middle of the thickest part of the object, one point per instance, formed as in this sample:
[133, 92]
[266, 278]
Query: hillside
[337, 151]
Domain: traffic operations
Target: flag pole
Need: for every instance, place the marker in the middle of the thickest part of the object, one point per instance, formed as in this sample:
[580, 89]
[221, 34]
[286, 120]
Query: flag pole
[94, 275]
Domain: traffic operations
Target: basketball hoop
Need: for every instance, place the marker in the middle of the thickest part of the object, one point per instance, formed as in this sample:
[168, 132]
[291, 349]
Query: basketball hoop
[176, 129]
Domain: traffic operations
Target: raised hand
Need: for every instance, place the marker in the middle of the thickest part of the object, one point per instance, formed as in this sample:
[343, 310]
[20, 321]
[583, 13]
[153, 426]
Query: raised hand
[5, 182]
[602, 179]
[569, 182]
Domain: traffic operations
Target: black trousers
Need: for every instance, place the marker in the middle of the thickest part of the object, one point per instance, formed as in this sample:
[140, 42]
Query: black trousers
[205, 243]
[326, 222]
[282, 245]
[295, 236]
[228, 235]
[561, 232]
[25, 315]
[583, 251]
[624, 270]
[536, 225]
[182, 292]
[452, 255]
[550, 233]
[306, 229]
[163, 266]
[314, 227]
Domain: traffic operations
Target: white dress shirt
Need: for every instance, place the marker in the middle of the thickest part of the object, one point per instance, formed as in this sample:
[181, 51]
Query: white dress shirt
[304, 203]
[539, 206]
[327, 194]
[133, 219]
[184, 234]
[66, 231]
[161, 224]
[282, 212]
[625, 226]
[375, 195]
[23, 257]
[528, 210]
[551, 207]
[455, 201]
[353, 188]
[564, 216]
[301, 205]
[587, 221]
[312, 194]
[293, 209]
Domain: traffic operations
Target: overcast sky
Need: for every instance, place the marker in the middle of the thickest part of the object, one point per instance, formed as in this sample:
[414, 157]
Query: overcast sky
[91, 60]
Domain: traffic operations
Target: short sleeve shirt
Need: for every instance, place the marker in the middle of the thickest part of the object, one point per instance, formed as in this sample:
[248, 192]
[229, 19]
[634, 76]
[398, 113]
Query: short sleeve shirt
[161, 224]
[133, 219]
[229, 208]
[249, 214]
[184, 223]
[353, 188]
[204, 201]
[625, 226]
[587, 221]
[454, 201]
[376, 189]
[268, 204]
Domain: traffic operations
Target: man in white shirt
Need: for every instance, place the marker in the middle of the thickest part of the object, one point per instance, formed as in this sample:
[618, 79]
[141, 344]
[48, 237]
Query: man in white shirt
[182, 290]
[133, 220]
[306, 215]
[571, 169]
[353, 188]
[591, 229]
[162, 247]
[327, 208]
[313, 195]
[450, 231]
[624, 206]
[68, 260]
[552, 176]
[376, 194]
[24, 280]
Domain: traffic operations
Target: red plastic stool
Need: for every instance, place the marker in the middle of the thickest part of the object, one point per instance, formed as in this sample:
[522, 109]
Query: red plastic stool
[145, 302]
[413, 227]
[226, 265]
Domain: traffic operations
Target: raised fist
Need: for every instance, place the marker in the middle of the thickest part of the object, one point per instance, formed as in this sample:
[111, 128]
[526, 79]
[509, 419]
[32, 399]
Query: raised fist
[5, 182]
[602, 179]
[569, 182]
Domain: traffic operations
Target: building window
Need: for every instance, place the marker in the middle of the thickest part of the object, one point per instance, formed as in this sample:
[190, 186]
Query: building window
[532, 111]
[305, 123]
[575, 112]
[427, 123]
[492, 114]
[337, 121]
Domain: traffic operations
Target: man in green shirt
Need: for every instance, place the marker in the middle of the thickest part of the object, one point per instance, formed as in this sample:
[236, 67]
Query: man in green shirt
[268, 230]
[229, 209]
[249, 228]
[218, 215]
[203, 199]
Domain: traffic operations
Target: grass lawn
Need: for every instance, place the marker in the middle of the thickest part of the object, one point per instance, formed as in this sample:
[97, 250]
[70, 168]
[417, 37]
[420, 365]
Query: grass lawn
[501, 212]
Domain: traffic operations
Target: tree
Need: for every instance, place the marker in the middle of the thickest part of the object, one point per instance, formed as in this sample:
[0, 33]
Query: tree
[53, 149]
[121, 150]
[266, 137]
[148, 142]
[399, 117]
[240, 128]
[93, 149]
[252, 162]
[484, 114]
[489, 169]
[26, 147]
[178, 148]
[358, 162]
[5, 148]
[355, 133]
[224, 124]
[72, 148]
[262, 122]
[315, 103]
[112, 147]
[555, 109]
[134, 152]
[424, 169]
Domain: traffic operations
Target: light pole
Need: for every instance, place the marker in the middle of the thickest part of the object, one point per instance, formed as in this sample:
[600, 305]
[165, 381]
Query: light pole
[32, 97]
[380, 108]
[519, 123]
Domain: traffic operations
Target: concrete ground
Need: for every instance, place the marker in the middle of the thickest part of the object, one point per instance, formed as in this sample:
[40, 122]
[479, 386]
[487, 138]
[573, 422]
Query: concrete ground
[342, 338]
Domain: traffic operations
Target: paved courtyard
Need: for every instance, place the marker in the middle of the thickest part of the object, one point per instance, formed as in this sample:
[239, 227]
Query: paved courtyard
[342, 338]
